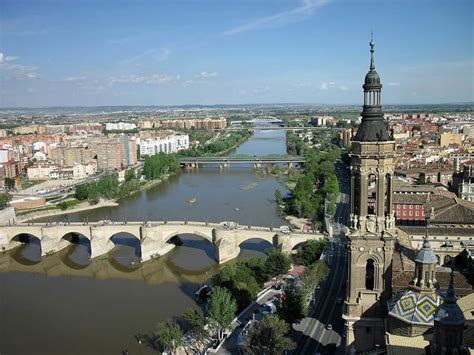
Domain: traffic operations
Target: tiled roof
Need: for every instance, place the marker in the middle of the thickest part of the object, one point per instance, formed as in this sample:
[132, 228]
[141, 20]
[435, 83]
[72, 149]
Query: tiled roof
[450, 210]
[437, 231]
[414, 307]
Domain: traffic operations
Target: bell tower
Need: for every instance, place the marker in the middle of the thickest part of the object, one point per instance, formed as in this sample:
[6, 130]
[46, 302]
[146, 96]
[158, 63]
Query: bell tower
[371, 236]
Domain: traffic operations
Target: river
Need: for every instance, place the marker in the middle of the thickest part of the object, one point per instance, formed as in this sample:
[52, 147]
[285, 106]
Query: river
[68, 304]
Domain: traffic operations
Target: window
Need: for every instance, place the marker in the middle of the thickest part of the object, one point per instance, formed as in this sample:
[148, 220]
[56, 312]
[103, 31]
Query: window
[427, 277]
[404, 213]
[417, 213]
[411, 213]
[410, 207]
[369, 274]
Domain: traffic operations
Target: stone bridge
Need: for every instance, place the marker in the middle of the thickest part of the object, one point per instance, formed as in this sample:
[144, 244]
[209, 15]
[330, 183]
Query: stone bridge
[153, 236]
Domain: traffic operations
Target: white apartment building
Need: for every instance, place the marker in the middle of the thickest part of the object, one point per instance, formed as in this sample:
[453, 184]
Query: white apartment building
[41, 171]
[167, 145]
[120, 126]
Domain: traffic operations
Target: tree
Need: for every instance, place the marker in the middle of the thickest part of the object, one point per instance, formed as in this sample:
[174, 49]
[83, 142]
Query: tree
[4, 199]
[292, 308]
[313, 276]
[195, 324]
[278, 197]
[130, 175]
[169, 336]
[311, 251]
[221, 311]
[268, 337]
[277, 263]
[421, 178]
[9, 183]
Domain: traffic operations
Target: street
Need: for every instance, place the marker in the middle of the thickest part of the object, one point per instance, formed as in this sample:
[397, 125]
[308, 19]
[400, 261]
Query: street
[322, 331]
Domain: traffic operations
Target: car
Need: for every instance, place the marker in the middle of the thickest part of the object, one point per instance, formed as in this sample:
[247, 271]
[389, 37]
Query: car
[329, 326]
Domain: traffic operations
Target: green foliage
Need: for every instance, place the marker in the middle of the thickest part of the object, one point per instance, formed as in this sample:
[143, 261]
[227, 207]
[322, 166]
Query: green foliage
[107, 187]
[294, 144]
[317, 183]
[169, 336]
[221, 310]
[64, 205]
[292, 308]
[130, 175]
[276, 263]
[269, 336]
[313, 276]
[421, 178]
[4, 199]
[311, 251]
[157, 165]
[278, 197]
[195, 323]
[243, 279]
[229, 140]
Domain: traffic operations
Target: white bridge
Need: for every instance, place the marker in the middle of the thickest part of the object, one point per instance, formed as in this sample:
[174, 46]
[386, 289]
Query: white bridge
[153, 236]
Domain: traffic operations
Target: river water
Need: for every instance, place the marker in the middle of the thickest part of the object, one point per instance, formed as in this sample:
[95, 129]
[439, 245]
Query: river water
[67, 304]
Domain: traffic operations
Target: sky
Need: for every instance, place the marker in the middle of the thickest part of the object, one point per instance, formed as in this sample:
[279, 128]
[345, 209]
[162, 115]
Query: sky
[174, 52]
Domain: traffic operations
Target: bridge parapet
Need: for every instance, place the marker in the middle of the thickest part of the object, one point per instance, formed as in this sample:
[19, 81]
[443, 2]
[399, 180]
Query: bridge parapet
[154, 236]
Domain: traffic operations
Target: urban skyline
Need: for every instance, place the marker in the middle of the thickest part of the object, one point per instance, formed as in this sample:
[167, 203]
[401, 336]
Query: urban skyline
[145, 53]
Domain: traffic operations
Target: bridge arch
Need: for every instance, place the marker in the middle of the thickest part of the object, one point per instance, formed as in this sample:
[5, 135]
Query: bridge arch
[32, 256]
[127, 239]
[209, 236]
[72, 237]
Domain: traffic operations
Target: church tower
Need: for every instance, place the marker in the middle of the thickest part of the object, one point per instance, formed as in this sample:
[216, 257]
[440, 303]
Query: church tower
[370, 240]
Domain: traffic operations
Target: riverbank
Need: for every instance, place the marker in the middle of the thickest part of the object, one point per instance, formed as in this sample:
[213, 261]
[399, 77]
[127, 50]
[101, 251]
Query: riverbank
[83, 206]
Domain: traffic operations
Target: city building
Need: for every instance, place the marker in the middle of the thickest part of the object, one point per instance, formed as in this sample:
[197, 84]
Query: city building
[120, 126]
[41, 171]
[166, 144]
[464, 183]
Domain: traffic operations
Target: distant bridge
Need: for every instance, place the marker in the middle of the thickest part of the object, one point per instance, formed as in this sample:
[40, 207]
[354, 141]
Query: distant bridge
[273, 128]
[153, 236]
[257, 161]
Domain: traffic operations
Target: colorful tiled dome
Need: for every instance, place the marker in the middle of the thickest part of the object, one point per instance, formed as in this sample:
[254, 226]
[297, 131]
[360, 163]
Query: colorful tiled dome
[414, 307]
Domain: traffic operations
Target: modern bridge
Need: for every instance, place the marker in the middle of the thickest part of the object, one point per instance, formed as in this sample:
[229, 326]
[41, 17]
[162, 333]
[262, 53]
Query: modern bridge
[154, 236]
[273, 128]
[257, 161]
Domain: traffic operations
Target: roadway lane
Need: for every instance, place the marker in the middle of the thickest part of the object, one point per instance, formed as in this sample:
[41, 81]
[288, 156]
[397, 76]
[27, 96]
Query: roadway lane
[316, 337]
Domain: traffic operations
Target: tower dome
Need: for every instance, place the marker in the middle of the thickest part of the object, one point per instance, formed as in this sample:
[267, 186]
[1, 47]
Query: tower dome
[372, 128]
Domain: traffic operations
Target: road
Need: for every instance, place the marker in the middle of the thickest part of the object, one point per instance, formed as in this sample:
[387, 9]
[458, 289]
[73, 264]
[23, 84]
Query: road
[314, 335]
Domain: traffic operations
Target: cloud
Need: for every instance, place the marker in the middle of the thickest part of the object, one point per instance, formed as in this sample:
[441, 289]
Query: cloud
[305, 10]
[393, 84]
[331, 85]
[74, 78]
[158, 55]
[6, 58]
[188, 83]
[154, 79]
[206, 74]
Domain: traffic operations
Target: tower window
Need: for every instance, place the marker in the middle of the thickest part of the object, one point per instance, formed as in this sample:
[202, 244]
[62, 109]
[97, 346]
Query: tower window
[369, 275]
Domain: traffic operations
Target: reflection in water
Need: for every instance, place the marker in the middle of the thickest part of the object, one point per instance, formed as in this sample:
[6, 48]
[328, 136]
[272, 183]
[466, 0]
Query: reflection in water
[127, 249]
[29, 252]
[69, 304]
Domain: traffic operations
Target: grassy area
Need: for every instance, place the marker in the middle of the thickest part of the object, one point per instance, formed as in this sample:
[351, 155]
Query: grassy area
[26, 211]
[29, 183]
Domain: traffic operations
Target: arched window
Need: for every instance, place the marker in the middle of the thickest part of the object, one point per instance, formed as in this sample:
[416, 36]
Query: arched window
[356, 188]
[369, 274]
[371, 194]
[388, 194]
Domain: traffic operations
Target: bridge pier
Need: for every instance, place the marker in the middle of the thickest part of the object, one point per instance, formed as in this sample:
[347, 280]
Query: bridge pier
[100, 245]
[226, 247]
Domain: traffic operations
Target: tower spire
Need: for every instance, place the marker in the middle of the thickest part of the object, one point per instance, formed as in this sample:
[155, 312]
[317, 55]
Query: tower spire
[372, 50]
[450, 295]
